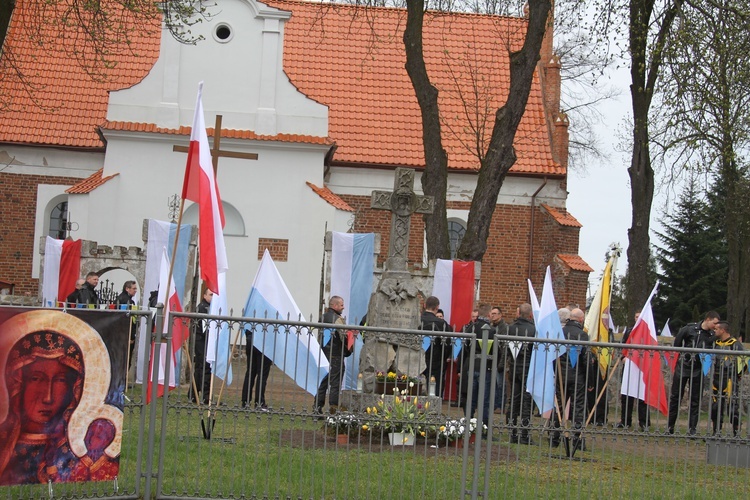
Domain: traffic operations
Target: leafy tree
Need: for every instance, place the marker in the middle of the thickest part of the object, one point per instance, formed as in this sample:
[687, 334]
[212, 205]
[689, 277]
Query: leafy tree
[692, 261]
[708, 87]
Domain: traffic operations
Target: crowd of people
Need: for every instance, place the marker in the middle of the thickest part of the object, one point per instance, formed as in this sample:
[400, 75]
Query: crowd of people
[579, 382]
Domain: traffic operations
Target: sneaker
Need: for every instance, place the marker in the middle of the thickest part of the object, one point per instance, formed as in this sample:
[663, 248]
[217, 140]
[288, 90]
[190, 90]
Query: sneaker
[262, 407]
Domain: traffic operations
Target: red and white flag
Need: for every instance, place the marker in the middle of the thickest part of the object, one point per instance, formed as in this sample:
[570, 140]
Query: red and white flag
[642, 376]
[62, 265]
[454, 287]
[167, 296]
[200, 186]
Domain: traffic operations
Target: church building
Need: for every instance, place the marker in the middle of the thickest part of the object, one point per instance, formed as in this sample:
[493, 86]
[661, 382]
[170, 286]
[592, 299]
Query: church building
[317, 111]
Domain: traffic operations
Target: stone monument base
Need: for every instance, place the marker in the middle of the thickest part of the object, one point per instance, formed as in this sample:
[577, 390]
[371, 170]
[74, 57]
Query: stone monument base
[357, 402]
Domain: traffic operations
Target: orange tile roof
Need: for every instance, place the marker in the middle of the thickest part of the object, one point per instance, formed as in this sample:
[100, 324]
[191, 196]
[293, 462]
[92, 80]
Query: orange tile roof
[575, 262]
[225, 132]
[58, 103]
[562, 216]
[90, 183]
[355, 67]
[330, 197]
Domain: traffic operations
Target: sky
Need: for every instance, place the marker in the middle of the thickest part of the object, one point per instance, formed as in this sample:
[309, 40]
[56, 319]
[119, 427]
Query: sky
[599, 194]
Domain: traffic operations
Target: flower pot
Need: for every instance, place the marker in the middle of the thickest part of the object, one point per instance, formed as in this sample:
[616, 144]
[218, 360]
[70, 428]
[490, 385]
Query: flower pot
[459, 442]
[401, 439]
[342, 438]
[386, 387]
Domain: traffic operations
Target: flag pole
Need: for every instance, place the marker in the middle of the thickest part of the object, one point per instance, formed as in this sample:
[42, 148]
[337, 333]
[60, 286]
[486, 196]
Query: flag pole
[226, 372]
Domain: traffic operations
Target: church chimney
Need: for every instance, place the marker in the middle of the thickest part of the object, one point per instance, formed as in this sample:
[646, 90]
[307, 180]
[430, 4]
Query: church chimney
[560, 140]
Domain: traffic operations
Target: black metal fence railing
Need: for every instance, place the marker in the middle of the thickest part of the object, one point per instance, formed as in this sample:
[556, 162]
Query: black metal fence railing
[266, 435]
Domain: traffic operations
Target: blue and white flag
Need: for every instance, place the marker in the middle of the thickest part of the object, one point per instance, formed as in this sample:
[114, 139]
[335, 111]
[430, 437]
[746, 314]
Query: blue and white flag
[351, 279]
[540, 382]
[218, 348]
[294, 350]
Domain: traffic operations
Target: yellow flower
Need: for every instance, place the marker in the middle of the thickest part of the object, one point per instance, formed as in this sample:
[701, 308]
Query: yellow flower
[397, 400]
[422, 433]
[365, 427]
[406, 438]
[426, 405]
[369, 410]
[442, 428]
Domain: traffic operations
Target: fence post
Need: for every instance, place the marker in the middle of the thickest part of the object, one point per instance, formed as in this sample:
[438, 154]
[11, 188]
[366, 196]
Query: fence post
[154, 375]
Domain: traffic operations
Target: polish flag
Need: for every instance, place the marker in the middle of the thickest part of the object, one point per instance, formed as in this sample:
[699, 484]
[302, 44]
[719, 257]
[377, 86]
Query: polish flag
[62, 265]
[200, 186]
[180, 332]
[642, 376]
[454, 287]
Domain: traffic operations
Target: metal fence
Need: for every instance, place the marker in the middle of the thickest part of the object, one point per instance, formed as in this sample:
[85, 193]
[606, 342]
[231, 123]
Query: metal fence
[279, 447]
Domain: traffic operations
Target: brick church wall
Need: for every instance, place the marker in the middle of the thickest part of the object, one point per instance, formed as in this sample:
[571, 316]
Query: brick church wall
[506, 263]
[18, 194]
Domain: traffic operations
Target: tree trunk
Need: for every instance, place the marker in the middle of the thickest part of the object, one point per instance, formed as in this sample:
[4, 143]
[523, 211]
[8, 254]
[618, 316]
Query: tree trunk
[435, 176]
[501, 155]
[646, 58]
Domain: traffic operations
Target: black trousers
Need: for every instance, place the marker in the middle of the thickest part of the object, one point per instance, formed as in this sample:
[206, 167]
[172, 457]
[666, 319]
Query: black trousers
[626, 411]
[256, 375]
[600, 409]
[519, 403]
[575, 391]
[331, 383]
[723, 402]
[201, 370]
[675, 398]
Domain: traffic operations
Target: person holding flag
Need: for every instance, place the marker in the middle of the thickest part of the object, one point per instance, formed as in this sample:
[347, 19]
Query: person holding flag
[201, 368]
[520, 401]
[689, 369]
[725, 394]
[571, 378]
[335, 349]
[628, 403]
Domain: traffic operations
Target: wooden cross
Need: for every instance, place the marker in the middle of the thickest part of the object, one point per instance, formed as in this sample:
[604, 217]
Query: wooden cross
[402, 202]
[216, 150]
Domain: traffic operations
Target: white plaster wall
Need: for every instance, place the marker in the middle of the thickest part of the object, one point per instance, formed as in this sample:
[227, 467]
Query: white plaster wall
[516, 190]
[270, 193]
[244, 79]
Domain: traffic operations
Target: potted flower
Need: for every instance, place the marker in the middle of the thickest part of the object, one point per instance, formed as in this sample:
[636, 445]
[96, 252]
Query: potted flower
[341, 425]
[402, 418]
[454, 431]
[386, 382]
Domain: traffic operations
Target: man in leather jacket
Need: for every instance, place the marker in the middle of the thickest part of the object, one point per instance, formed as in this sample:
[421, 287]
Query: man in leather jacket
[570, 376]
[689, 369]
[335, 349]
[440, 349]
[520, 401]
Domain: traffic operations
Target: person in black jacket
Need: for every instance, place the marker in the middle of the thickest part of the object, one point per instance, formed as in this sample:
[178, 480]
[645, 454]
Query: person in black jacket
[726, 380]
[520, 401]
[689, 369]
[628, 403]
[571, 378]
[129, 289]
[335, 349]
[440, 350]
[256, 375]
[87, 294]
[201, 368]
[466, 378]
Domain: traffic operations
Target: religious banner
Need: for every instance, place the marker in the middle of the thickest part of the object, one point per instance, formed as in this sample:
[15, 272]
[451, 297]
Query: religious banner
[62, 377]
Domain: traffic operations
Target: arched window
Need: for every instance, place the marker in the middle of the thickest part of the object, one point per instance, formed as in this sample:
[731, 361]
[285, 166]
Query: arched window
[456, 231]
[234, 224]
[58, 221]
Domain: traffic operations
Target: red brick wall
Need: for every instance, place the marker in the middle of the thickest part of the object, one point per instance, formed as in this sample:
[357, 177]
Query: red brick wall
[18, 195]
[277, 248]
[506, 262]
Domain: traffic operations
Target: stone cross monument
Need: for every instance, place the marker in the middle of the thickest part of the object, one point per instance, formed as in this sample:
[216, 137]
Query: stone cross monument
[395, 303]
